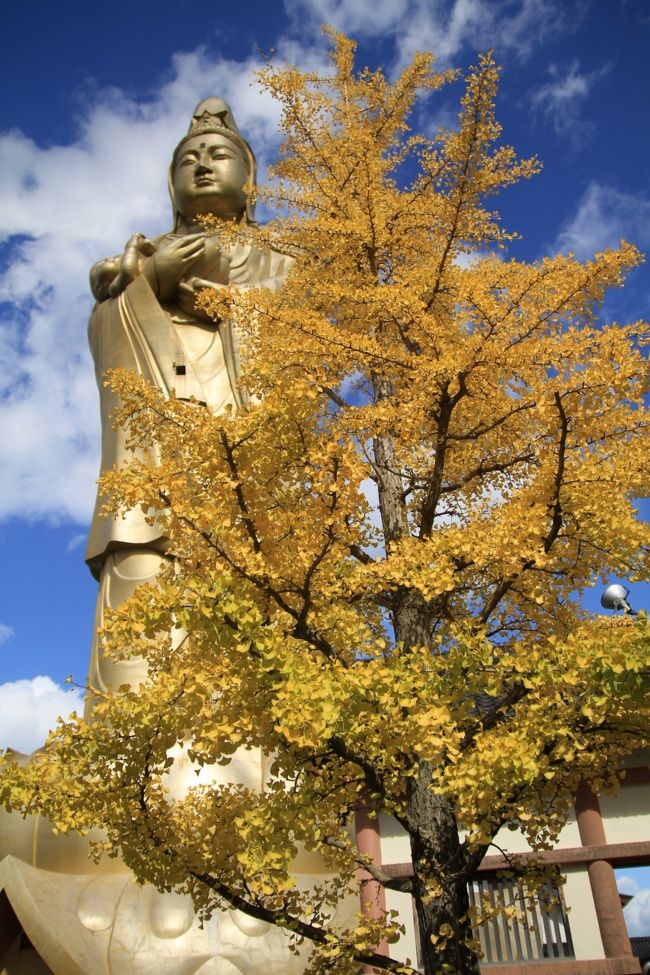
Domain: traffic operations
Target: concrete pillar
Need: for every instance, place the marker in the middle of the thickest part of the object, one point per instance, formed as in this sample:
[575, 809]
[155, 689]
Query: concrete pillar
[607, 902]
[372, 894]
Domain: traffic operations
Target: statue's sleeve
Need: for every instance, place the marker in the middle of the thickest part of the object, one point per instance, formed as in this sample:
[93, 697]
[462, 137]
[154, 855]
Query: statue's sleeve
[117, 340]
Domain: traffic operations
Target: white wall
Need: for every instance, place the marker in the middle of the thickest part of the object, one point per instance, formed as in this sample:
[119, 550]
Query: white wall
[395, 847]
[583, 922]
[405, 949]
[626, 817]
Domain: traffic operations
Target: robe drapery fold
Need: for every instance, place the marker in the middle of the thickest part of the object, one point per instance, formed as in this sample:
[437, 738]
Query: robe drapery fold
[176, 354]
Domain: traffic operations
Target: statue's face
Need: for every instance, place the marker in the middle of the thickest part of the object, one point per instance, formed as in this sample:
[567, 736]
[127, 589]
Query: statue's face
[209, 177]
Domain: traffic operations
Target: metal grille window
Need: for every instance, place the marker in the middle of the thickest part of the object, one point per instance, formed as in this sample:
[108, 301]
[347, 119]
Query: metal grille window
[539, 931]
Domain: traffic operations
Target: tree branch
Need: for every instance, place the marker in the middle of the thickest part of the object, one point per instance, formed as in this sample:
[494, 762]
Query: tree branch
[388, 880]
[556, 519]
[302, 928]
[239, 492]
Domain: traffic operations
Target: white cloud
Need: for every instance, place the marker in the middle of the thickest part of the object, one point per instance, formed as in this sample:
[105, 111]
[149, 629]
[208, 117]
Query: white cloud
[511, 26]
[6, 633]
[627, 884]
[637, 914]
[520, 26]
[64, 207]
[445, 30]
[61, 209]
[29, 710]
[604, 216]
[358, 18]
[561, 99]
[76, 541]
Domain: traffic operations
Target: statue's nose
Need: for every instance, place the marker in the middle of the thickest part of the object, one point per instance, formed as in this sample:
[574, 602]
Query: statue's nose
[202, 167]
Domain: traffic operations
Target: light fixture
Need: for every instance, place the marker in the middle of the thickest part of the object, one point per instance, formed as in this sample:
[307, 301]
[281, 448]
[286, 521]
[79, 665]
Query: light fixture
[615, 597]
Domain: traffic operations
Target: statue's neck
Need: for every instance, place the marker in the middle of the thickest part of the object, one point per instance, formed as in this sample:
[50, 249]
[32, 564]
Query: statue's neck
[189, 226]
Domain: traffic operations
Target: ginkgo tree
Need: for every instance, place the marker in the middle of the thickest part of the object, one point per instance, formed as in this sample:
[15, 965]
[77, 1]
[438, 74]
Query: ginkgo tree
[376, 567]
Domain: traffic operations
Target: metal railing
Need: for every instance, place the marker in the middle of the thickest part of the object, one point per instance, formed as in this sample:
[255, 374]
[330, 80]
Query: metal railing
[539, 931]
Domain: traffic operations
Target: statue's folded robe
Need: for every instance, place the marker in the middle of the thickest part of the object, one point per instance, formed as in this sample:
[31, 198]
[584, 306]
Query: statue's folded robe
[135, 332]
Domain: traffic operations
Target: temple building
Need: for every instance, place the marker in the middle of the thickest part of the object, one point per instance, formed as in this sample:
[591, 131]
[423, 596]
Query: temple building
[584, 931]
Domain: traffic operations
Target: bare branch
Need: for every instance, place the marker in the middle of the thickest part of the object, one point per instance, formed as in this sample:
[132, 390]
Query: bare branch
[385, 879]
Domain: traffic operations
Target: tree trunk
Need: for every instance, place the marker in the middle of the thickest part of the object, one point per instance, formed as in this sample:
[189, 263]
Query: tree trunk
[439, 868]
[439, 860]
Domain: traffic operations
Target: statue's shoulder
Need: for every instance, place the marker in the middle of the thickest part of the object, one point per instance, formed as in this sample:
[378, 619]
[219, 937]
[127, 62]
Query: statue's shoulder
[257, 263]
[262, 242]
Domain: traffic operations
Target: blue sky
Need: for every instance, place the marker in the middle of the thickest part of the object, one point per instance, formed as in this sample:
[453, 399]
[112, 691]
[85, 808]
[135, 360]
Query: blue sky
[94, 100]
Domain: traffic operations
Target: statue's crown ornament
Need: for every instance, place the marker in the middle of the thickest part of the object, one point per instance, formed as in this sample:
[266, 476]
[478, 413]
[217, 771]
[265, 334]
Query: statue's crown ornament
[213, 114]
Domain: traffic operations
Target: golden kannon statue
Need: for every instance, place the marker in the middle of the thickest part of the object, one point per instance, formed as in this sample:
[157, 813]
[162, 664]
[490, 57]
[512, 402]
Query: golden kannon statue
[145, 320]
[60, 913]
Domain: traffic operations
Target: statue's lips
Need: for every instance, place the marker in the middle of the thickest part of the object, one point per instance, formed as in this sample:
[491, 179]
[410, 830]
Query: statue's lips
[206, 181]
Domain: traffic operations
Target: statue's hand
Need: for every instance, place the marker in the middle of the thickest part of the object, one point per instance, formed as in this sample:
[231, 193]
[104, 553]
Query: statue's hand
[185, 298]
[198, 284]
[144, 245]
[164, 269]
[137, 247]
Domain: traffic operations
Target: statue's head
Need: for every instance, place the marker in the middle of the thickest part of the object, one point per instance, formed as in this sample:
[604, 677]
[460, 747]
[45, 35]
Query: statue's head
[102, 273]
[211, 165]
